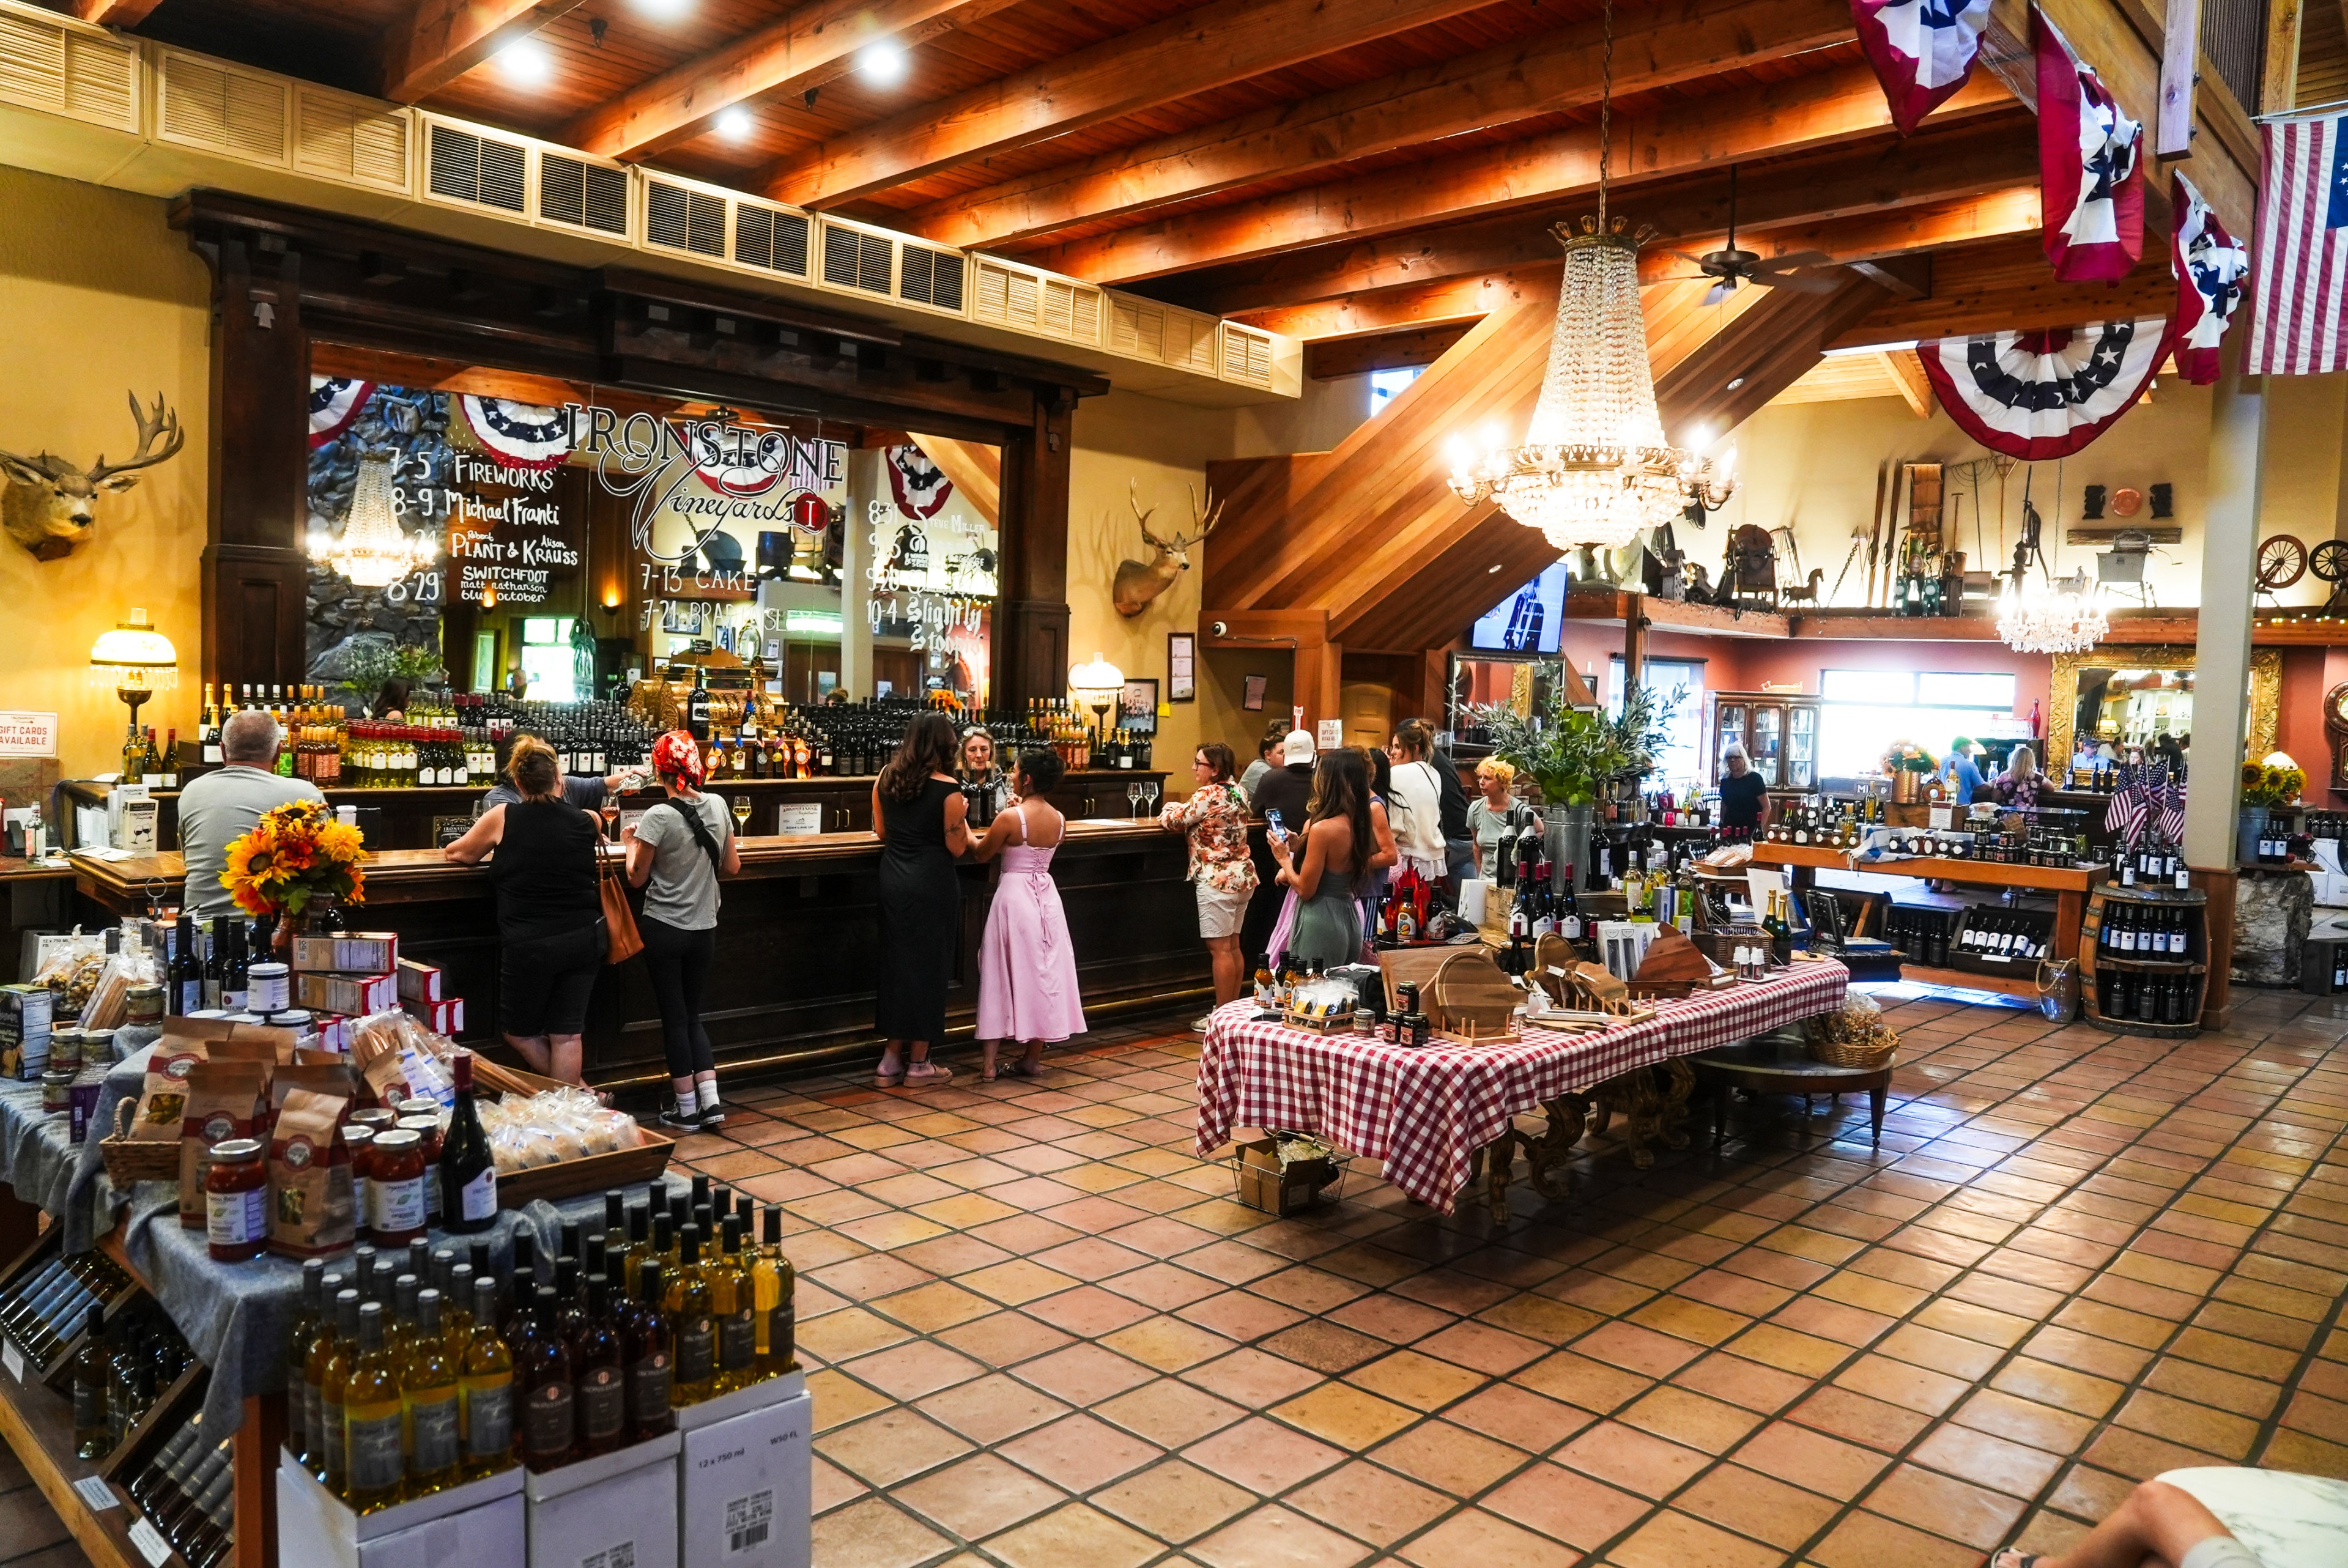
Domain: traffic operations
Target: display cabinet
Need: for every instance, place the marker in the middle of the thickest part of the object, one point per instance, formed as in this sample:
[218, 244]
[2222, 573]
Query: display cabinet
[1779, 731]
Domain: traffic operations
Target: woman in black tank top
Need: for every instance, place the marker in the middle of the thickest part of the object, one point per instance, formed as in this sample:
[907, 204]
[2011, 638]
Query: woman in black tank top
[550, 912]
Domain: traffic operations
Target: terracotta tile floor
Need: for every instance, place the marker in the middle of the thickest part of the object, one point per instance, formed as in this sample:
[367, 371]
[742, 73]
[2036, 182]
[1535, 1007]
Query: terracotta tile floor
[1042, 1332]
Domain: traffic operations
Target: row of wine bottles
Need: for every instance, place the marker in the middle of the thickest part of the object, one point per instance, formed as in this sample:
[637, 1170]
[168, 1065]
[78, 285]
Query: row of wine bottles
[123, 1367]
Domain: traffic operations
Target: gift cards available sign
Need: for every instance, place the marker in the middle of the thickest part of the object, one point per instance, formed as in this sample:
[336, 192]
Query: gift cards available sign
[28, 735]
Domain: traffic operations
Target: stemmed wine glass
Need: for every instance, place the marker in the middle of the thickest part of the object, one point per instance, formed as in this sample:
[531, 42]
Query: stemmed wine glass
[1133, 799]
[741, 814]
[1149, 795]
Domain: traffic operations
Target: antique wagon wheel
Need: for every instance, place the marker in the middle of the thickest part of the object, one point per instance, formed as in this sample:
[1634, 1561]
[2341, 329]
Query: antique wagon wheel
[2331, 559]
[2283, 561]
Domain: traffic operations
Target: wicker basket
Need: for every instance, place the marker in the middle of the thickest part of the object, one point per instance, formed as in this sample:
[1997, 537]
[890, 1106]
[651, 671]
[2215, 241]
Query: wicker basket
[1833, 1042]
[148, 1159]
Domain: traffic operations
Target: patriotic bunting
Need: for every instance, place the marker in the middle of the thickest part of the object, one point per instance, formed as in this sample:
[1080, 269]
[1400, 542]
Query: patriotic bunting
[518, 435]
[1922, 51]
[335, 405]
[2210, 268]
[2297, 326]
[2040, 395]
[921, 487]
[2090, 168]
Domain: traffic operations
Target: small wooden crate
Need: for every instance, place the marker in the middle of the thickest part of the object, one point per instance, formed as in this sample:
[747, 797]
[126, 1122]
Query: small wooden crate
[570, 1178]
[1263, 1183]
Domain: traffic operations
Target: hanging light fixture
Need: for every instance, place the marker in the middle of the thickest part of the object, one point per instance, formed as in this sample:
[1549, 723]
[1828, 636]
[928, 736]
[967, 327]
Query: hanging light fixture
[1594, 468]
[374, 550]
[2065, 616]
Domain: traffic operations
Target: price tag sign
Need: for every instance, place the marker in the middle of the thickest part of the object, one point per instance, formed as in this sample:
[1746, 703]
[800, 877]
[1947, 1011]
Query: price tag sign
[151, 1544]
[12, 1359]
[1330, 734]
[94, 1492]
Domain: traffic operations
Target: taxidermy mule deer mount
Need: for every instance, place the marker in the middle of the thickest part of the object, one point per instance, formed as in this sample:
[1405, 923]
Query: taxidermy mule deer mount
[50, 503]
[1138, 583]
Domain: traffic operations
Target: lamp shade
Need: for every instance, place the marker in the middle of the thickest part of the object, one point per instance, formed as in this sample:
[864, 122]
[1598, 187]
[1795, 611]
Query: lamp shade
[1097, 677]
[135, 650]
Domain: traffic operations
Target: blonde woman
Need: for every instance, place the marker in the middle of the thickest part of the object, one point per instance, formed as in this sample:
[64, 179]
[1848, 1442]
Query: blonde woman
[1496, 814]
[2019, 785]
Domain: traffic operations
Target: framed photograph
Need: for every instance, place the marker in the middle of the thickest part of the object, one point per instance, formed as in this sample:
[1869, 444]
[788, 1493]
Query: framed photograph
[1181, 666]
[1136, 709]
[1254, 699]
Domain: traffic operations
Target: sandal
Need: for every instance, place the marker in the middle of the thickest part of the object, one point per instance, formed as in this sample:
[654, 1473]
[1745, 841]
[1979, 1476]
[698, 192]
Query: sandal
[885, 1078]
[927, 1074]
[2010, 1558]
[1025, 1070]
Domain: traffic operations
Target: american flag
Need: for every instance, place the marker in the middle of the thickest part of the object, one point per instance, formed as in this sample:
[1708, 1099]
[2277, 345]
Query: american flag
[2300, 264]
[2131, 804]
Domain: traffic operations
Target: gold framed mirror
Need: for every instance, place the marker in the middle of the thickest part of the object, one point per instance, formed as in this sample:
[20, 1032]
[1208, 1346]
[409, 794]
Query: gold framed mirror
[2132, 690]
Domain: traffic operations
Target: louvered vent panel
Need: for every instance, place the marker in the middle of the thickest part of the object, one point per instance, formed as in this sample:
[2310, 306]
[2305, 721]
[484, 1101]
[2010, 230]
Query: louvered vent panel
[930, 277]
[1071, 312]
[63, 71]
[678, 218]
[481, 170]
[582, 195]
[1247, 356]
[353, 140]
[1002, 297]
[770, 241]
[1190, 341]
[855, 260]
[237, 114]
[1136, 327]
[101, 81]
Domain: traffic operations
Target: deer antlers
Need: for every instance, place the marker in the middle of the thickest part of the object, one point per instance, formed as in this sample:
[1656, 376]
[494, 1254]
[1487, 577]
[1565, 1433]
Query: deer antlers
[1133, 495]
[164, 422]
[1203, 523]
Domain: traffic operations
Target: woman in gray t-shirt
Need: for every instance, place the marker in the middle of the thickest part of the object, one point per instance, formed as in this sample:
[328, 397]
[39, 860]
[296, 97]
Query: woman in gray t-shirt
[676, 851]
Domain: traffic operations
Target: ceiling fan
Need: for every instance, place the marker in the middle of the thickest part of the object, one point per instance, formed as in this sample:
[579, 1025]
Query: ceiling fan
[1734, 268]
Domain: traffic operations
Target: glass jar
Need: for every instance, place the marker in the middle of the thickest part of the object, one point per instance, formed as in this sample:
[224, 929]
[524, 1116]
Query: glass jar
[143, 1006]
[398, 1177]
[375, 1119]
[236, 1202]
[57, 1092]
[65, 1049]
[360, 1140]
[426, 1128]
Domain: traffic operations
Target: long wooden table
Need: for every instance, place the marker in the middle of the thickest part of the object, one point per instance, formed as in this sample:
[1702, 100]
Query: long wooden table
[2069, 886]
[798, 941]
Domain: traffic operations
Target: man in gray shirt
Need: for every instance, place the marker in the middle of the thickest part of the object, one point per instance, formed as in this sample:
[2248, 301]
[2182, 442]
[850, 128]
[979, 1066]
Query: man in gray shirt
[223, 806]
[583, 791]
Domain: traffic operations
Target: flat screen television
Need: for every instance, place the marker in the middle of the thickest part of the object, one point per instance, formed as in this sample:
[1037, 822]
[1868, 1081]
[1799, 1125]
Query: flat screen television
[1527, 621]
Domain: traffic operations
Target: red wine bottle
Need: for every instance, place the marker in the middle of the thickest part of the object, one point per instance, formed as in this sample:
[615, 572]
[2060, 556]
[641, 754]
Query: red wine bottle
[468, 1174]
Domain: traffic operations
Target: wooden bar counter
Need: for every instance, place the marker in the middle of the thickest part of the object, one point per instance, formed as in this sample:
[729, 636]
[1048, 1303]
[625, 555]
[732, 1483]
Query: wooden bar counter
[798, 939]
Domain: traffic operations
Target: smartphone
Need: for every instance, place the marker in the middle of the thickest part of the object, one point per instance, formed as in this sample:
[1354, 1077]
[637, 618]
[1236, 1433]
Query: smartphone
[1274, 826]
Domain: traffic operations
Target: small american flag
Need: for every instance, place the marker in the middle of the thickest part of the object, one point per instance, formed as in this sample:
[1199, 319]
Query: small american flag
[2124, 817]
[2300, 264]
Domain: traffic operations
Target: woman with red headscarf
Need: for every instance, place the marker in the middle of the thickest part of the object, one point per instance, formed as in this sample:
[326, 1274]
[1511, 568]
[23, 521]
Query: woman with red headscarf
[676, 851]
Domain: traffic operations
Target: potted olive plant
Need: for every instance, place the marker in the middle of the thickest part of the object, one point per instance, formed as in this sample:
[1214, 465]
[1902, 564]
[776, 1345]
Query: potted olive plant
[1578, 754]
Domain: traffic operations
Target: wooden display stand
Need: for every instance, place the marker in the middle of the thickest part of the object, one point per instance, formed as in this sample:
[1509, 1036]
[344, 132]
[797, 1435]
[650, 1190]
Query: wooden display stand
[2193, 968]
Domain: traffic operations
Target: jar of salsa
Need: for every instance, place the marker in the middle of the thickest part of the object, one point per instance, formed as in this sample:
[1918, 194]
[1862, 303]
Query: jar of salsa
[398, 1177]
[426, 1128]
[236, 1200]
[360, 1141]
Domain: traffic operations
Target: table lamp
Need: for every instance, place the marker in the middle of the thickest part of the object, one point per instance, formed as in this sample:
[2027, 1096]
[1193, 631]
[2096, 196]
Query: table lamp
[1097, 684]
[136, 659]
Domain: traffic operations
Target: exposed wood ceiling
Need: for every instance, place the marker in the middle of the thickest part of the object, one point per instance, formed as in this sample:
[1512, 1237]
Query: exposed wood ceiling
[1327, 168]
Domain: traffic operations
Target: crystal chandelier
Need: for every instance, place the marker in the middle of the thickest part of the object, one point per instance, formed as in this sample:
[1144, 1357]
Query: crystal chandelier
[374, 551]
[2064, 618]
[1594, 468]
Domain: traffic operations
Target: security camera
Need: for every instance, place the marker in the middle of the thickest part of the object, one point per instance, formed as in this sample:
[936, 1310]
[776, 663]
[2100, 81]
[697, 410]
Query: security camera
[1219, 628]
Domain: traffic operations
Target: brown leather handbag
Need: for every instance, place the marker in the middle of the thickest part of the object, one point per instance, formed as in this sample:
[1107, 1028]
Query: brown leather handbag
[621, 941]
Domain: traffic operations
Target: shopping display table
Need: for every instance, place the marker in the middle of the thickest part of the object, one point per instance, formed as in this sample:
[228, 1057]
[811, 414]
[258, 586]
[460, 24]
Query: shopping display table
[1768, 1067]
[1431, 1115]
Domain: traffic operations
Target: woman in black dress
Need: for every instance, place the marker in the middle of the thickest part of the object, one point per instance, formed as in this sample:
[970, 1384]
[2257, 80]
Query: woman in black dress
[918, 813]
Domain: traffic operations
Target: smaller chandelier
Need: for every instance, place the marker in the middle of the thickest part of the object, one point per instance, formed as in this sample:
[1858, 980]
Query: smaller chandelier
[374, 550]
[2064, 617]
[1594, 468]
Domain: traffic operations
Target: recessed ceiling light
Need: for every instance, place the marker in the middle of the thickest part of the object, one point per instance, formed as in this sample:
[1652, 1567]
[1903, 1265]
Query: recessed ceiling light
[882, 63]
[733, 124]
[1490, 569]
[1736, 384]
[664, 9]
[526, 63]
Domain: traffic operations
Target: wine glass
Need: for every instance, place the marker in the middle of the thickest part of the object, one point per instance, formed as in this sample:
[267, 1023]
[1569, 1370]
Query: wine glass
[1133, 799]
[741, 813]
[1149, 794]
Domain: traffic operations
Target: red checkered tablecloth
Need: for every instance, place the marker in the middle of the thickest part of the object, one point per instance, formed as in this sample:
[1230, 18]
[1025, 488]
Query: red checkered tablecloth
[1424, 1112]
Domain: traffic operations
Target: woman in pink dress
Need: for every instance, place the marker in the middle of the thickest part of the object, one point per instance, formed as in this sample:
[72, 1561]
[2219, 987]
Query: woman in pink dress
[1027, 970]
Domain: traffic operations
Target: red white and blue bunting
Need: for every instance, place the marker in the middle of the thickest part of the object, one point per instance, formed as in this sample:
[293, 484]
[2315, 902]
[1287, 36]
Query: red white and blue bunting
[921, 489]
[2090, 167]
[518, 435]
[335, 405]
[2041, 395]
[2210, 268]
[1922, 51]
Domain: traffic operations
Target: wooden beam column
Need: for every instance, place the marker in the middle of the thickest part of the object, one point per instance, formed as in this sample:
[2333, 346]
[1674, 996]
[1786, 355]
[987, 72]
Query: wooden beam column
[1031, 630]
[255, 574]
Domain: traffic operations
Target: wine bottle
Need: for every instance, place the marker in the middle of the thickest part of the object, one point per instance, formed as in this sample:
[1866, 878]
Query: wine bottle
[645, 1349]
[693, 1324]
[334, 1465]
[308, 1316]
[777, 1288]
[186, 994]
[485, 1391]
[469, 1173]
[371, 1419]
[427, 1401]
[236, 968]
[543, 1387]
[734, 1287]
[596, 1354]
[89, 1394]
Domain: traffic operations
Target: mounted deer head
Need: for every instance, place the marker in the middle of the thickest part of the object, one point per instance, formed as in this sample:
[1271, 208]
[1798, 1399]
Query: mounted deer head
[50, 503]
[1138, 583]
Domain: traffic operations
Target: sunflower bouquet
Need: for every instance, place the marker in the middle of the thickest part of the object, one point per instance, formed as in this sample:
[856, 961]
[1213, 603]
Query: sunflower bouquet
[296, 854]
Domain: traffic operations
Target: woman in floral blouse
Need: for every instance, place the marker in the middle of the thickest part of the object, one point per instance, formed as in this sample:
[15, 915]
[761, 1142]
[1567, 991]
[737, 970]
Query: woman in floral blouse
[1215, 820]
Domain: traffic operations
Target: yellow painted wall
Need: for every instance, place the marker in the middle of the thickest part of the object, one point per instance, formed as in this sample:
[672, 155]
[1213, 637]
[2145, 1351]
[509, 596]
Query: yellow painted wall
[100, 298]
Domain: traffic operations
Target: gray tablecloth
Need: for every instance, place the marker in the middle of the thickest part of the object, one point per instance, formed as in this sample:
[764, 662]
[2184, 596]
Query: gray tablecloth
[234, 1317]
[36, 1156]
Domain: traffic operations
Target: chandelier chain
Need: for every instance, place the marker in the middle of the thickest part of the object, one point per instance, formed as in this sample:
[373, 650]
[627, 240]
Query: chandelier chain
[1606, 111]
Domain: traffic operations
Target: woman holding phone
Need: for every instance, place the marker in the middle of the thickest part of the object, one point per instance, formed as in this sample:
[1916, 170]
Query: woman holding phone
[1327, 863]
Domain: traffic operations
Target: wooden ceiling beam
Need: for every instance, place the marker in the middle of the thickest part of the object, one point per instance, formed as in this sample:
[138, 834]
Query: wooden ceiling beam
[1218, 43]
[441, 40]
[1878, 173]
[802, 50]
[114, 13]
[2004, 286]
[1457, 299]
[1547, 75]
[1832, 107]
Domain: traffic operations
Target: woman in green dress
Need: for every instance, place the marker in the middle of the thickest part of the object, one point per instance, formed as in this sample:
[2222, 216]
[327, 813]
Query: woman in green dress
[1327, 862]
